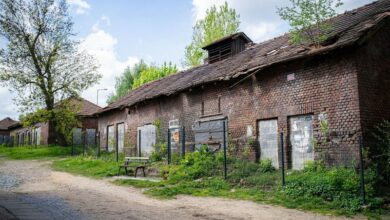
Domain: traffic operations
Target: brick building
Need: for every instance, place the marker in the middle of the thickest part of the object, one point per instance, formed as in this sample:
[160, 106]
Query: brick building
[321, 98]
[5, 129]
[39, 135]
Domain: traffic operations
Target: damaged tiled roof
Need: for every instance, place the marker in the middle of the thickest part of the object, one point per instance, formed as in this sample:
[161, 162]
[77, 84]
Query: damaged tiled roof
[6, 123]
[348, 28]
[87, 108]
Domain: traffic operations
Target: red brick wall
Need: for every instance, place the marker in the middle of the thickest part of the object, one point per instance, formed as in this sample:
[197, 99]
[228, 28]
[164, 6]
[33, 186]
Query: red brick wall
[323, 84]
[373, 61]
[111, 118]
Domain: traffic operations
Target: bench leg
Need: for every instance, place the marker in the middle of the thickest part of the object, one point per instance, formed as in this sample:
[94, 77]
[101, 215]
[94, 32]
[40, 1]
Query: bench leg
[143, 170]
[126, 171]
[135, 172]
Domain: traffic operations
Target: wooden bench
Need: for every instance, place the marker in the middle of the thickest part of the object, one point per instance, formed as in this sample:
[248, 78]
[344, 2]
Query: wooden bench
[134, 162]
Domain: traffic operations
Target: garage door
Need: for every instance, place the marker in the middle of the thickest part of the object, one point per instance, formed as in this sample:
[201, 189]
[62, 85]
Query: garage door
[301, 136]
[268, 139]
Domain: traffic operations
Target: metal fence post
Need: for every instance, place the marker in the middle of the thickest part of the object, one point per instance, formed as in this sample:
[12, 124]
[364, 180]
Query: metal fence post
[169, 146]
[183, 143]
[362, 183]
[72, 152]
[85, 142]
[97, 142]
[224, 150]
[282, 152]
[116, 144]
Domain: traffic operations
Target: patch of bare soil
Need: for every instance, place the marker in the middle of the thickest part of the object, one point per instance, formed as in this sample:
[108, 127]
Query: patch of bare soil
[99, 199]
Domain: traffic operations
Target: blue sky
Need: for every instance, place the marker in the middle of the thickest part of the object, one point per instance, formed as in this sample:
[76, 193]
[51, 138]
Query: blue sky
[120, 33]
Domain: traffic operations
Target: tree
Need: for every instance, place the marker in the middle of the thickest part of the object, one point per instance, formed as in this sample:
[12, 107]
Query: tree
[42, 62]
[140, 74]
[124, 83]
[153, 73]
[308, 20]
[217, 24]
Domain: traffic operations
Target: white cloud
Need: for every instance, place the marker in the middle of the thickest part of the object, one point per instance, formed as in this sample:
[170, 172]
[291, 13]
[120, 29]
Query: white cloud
[259, 19]
[102, 45]
[106, 19]
[81, 6]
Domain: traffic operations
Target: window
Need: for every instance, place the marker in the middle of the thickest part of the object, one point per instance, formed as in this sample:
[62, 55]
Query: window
[301, 136]
[268, 139]
[110, 138]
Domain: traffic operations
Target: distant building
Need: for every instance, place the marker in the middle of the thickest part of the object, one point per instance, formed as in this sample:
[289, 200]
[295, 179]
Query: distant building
[39, 134]
[5, 126]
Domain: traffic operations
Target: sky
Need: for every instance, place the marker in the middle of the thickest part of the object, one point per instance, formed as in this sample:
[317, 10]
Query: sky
[120, 33]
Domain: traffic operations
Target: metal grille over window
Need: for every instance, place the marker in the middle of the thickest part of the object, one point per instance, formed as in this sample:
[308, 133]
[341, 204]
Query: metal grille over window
[110, 138]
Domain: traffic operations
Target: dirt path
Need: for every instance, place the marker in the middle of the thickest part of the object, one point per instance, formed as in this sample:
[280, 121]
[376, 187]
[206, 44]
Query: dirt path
[76, 197]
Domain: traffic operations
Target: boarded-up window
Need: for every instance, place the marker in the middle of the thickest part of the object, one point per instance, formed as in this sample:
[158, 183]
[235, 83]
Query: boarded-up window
[121, 137]
[301, 137]
[146, 139]
[268, 139]
[38, 136]
[77, 136]
[209, 133]
[110, 138]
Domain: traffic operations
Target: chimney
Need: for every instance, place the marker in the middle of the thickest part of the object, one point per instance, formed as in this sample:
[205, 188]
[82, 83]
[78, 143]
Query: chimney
[226, 47]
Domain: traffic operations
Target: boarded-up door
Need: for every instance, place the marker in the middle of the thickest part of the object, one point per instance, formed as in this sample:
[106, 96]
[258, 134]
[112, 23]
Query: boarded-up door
[268, 139]
[301, 137]
[146, 139]
[121, 137]
[110, 138]
[91, 137]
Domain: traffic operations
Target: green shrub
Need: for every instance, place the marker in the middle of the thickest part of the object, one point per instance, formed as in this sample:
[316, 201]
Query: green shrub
[195, 165]
[159, 152]
[337, 185]
[266, 166]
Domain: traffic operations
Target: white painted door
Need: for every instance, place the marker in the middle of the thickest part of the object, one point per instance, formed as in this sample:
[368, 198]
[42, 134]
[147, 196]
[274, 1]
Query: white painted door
[268, 139]
[301, 138]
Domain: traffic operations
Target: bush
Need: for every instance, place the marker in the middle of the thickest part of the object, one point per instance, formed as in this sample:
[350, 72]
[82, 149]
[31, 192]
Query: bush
[381, 151]
[266, 166]
[159, 152]
[194, 166]
[337, 185]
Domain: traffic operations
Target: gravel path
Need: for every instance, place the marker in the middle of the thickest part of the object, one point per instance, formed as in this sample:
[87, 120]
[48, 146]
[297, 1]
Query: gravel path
[76, 197]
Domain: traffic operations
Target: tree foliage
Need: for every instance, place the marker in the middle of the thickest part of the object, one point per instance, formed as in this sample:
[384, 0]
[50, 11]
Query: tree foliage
[308, 20]
[124, 83]
[65, 114]
[154, 72]
[218, 23]
[140, 74]
[42, 62]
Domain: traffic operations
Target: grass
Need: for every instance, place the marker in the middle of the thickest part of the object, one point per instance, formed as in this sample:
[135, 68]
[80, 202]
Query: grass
[306, 190]
[87, 166]
[29, 152]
